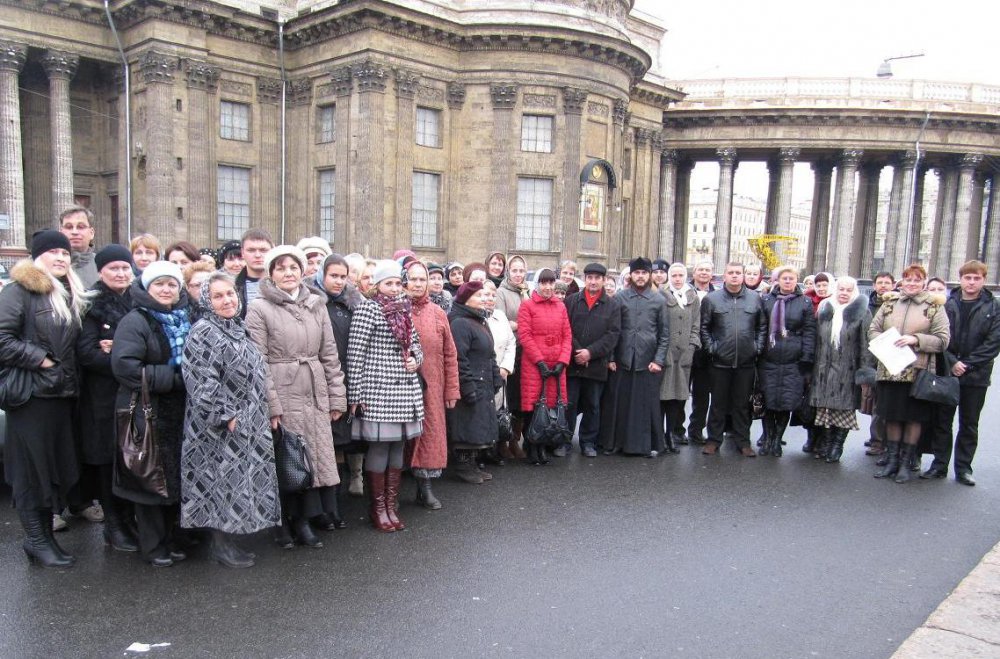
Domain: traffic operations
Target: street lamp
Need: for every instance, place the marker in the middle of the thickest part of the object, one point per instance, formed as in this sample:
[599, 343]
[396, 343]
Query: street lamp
[885, 71]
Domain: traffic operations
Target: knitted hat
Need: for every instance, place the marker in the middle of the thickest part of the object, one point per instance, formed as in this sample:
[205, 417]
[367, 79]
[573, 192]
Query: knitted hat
[43, 241]
[660, 264]
[595, 269]
[284, 250]
[546, 274]
[110, 254]
[640, 263]
[467, 290]
[386, 269]
[158, 269]
[314, 245]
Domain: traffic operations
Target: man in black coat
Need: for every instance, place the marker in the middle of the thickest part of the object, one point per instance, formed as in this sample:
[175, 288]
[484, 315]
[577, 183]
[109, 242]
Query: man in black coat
[595, 319]
[733, 330]
[974, 314]
[701, 367]
[882, 284]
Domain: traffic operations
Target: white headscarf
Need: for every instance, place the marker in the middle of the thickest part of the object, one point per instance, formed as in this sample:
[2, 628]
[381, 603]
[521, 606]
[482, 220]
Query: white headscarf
[680, 294]
[838, 309]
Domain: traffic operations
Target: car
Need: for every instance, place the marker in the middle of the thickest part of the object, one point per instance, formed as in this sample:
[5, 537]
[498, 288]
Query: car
[531, 279]
[4, 275]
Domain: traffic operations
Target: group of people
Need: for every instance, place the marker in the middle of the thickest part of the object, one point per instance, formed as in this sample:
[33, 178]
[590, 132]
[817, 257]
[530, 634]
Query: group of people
[392, 365]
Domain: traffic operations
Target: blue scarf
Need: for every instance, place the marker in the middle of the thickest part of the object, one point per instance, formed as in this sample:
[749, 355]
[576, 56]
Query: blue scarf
[176, 326]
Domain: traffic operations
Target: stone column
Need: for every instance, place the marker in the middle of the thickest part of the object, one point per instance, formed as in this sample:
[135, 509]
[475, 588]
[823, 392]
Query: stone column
[783, 201]
[343, 225]
[614, 227]
[640, 193]
[668, 203]
[819, 219]
[368, 209]
[975, 248]
[653, 219]
[724, 207]
[900, 206]
[916, 227]
[301, 178]
[157, 72]
[407, 83]
[503, 195]
[12, 58]
[61, 67]
[959, 253]
[681, 212]
[844, 201]
[566, 234]
[944, 219]
[993, 231]
[866, 218]
[773, 178]
[202, 82]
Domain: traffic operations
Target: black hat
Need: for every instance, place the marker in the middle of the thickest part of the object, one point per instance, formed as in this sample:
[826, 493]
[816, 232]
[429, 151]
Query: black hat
[226, 250]
[660, 264]
[640, 263]
[110, 254]
[435, 267]
[208, 251]
[46, 239]
[546, 274]
[467, 290]
[595, 269]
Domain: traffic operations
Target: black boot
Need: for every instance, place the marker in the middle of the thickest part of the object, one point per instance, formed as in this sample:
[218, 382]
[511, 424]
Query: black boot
[891, 461]
[225, 553]
[839, 436]
[117, 534]
[821, 443]
[425, 497]
[780, 425]
[304, 533]
[60, 552]
[810, 439]
[903, 472]
[668, 440]
[37, 546]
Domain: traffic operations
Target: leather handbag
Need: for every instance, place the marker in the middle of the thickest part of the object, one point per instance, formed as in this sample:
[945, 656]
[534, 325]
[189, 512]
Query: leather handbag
[291, 461]
[139, 450]
[504, 421]
[548, 426]
[933, 388]
[16, 383]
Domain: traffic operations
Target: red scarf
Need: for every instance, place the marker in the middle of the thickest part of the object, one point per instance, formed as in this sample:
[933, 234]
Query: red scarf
[591, 300]
[397, 314]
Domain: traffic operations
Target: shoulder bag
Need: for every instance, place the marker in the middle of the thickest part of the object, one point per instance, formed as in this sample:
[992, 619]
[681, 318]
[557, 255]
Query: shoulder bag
[291, 461]
[504, 420]
[933, 388]
[16, 383]
[139, 451]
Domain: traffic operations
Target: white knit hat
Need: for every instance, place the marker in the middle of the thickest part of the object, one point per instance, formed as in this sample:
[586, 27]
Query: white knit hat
[386, 269]
[284, 250]
[315, 244]
[158, 269]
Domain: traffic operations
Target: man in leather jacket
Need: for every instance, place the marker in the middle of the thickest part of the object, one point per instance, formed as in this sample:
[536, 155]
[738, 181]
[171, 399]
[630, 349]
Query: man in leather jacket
[733, 331]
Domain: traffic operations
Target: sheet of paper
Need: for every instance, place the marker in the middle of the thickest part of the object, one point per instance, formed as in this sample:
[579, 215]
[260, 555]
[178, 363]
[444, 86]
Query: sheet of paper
[893, 357]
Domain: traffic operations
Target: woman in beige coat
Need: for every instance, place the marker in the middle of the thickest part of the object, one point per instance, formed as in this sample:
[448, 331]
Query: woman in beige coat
[684, 311]
[305, 384]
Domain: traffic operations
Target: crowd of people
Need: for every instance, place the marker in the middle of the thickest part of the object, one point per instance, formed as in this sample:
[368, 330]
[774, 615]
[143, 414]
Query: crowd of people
[393, 365]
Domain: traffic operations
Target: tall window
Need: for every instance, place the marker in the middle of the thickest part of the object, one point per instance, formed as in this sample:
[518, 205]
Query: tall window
[233, 202]
[326, 124]
[534, 213]
[234, 121]
[428, 127]
[424, 215]
[327, 199]
[536, 133]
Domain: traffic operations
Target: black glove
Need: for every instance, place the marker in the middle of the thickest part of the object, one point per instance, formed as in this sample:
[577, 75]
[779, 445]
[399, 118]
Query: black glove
[559, 368]
[543, 369]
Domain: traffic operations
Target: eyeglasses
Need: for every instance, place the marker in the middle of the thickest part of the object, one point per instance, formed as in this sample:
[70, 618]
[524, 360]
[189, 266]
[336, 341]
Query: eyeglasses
[76, 227]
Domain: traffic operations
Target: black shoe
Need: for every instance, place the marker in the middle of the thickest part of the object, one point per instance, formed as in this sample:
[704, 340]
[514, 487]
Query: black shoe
[935, 472]
[304, 533]
[225, 553]
[425, 496]
[965, 479]
[696, 437]
[283, 537]
[891, 461]
[118, 536]
[37, 546]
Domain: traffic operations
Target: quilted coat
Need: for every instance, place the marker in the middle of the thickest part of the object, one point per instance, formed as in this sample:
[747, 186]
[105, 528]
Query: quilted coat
[685, 339]
[783, 366]
[305, 382]
[545, 335]
[921, 315]
[440, 374]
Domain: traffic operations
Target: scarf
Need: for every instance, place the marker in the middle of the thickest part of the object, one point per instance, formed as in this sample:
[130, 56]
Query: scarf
[397, 315]
[482, 314]
[591, 299]
[680, 294]
[777, 325]
[837, 324]
[176, 326]
[442, 299]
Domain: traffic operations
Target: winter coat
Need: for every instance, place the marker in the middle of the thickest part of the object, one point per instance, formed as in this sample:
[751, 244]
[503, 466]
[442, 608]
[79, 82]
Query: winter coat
[545, 336]
[341, 310]
[48, 335]
[733, 327]
[874, 302]
[595, 329]
[305, 383]
[504, 347]
[376, 372]
[140, 343]
[783, 367]
[228, 479]
[977, 345]
[85, 267]
[440, 379]
[99, 388]
[839, 373]
[701, 356]
[509, 299]
[922, 316]
[685, 339]
[645, 336]
[473, 420]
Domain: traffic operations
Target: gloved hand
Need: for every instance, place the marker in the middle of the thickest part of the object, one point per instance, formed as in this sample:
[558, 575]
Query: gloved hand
[558, 369]
[543, 369]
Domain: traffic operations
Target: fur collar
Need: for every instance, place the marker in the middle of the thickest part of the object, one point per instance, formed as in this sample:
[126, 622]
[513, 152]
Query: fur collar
[32, 278]
[109, 307]
[854, 311]
[934, 299]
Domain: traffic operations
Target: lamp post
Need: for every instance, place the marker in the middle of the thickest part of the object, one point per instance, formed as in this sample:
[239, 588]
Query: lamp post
[885, 71]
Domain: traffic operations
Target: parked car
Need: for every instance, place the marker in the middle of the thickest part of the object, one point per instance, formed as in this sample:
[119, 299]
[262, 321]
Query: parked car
[4, 275]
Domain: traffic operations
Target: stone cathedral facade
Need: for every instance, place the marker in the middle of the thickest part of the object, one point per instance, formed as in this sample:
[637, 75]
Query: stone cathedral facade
[457, 127]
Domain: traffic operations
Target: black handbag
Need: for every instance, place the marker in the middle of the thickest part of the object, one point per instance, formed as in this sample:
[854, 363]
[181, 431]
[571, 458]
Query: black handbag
[504, 418]
[16, 383]
[933, 388]
[756, 400]
[548, 425]
[291, 461]
[139, 452]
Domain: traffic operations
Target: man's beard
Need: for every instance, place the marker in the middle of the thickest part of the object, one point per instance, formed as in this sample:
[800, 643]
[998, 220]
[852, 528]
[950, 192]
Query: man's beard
[644, 287]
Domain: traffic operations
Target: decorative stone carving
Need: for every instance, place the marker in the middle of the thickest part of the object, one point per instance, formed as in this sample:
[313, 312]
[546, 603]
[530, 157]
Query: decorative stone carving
[340, 78]
[644, 136]
[235, 87]
[370, 75]
[12, 55]
[789, 154]
[407, 83]
[906, 159]
[597, 109]
[539, 101]
[970, 161]
[428, 93]
[60, 64]
[669, 156]
[726, 155]
[615, 9]
[268, 89]
[574, 100]
[504, 95]
[201, 76]
[619, 111]
[300, 91]
[456, 95]
[324, 91]
[157, 67]
[851, 157]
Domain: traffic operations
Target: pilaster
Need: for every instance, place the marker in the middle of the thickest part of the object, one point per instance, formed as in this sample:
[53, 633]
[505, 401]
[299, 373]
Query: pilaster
[202, 83]
[60, 67]
[406, 89]
[368, 212]
[343, 227]
[12, 58]
[503, 193]
[567, 233]
[267, 176]
[301, 179]
[156, 70]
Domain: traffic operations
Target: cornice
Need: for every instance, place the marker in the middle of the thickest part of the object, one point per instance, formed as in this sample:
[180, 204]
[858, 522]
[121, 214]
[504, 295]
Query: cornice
[720, 119]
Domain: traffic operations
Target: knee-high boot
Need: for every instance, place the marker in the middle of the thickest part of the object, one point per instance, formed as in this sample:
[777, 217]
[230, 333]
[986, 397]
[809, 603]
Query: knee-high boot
[376, 499]
[839, 436]
[780, 425]
[37, 525]
[393, 477]
[891, 461]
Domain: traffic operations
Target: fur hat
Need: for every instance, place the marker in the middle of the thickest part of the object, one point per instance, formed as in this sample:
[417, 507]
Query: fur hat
[284, 250]
[660, 264]
[158, 269]
[640, 263]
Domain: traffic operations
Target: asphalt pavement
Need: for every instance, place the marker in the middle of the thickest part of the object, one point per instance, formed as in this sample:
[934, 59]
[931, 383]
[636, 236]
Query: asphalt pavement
[680, 556]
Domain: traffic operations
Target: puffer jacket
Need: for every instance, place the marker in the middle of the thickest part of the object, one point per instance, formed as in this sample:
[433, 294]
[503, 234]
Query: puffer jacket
[45, 336]
[733, 327]
[977, 345]
[783, 366]
[921, 315]
[544, 332]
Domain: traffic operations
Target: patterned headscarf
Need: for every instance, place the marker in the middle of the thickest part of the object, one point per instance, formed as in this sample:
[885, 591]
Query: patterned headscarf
[397, 312]
[233, 326]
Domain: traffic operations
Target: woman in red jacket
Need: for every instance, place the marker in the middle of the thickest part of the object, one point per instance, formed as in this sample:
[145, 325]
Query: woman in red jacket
[544, 332]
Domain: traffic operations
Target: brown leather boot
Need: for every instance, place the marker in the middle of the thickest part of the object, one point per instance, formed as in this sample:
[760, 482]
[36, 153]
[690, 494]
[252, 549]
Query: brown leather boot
[392, 480]
[503, 449]
[516, 450]
[377, 502]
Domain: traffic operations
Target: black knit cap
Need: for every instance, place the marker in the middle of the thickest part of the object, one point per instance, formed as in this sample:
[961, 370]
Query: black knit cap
[660, 264]
[46, 239]
[640, 263]
[110, 254]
